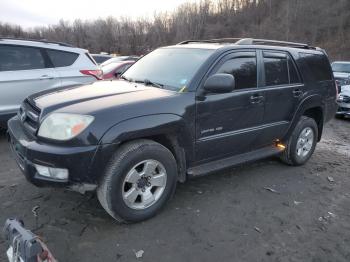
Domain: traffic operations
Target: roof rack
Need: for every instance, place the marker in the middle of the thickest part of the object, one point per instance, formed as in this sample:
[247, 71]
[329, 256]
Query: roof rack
[37, 40]
[217, 40]
[250, 41]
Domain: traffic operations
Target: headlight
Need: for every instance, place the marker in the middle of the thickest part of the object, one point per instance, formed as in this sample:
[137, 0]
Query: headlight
[63, 126]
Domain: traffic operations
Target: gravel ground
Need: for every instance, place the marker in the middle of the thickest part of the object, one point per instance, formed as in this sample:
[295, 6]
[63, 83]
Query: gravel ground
[230, 216]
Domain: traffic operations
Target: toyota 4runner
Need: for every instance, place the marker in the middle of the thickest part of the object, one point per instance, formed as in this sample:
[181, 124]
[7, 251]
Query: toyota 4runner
[181, 111]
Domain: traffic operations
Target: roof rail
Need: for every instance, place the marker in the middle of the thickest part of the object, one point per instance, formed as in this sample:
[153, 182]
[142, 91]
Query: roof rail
[250, 41]
[36, 40]
[217, 40]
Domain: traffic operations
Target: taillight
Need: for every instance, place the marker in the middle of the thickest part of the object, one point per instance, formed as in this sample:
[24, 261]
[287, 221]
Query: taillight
[96, 73]
[336, 89]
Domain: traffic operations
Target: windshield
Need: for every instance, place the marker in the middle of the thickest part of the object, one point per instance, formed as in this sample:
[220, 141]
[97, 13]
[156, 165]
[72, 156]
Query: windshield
[172, 68]
[341, 67]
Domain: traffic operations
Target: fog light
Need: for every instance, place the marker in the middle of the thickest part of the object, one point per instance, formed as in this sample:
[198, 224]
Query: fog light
[51, 172]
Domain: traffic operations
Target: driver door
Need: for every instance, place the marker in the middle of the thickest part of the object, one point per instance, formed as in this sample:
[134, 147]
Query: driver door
[229, 124]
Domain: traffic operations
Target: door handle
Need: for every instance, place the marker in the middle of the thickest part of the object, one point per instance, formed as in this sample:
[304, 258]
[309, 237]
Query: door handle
[297, 93]
[255, 99]
[46, 77]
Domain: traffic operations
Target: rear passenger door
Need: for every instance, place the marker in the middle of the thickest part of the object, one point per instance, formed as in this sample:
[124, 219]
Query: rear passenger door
[23, 71]
[283, 89]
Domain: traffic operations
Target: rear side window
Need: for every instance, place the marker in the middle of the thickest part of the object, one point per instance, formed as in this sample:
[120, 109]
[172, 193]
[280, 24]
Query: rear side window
[279, 69]
[14, 58]
[61, 58]
[318, 66]
[276, 69]
[243, 69]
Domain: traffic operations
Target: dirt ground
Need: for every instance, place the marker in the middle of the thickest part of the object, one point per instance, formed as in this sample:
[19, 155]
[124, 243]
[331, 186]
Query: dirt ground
[230, 216]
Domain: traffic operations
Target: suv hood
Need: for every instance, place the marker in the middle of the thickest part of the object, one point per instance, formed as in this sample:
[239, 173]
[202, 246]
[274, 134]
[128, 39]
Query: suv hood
[110, 103]
[95, 97]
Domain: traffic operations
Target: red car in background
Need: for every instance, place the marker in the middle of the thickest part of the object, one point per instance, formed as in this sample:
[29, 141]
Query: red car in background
[115, 69]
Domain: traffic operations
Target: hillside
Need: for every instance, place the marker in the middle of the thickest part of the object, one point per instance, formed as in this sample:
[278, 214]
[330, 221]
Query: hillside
[324, 23]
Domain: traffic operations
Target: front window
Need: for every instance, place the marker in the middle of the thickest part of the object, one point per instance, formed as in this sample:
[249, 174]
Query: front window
[171, 68]
[340, 67]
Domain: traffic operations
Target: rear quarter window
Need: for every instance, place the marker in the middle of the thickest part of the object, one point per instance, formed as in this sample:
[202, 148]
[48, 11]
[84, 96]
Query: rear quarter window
[317, 66]
[61, 58]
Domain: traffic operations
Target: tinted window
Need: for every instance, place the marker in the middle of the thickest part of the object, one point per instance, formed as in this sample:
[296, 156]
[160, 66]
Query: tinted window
[100, 59]
[14, 58]
[243, 69]
[318, 66]
[276, 71]
[61, 58]
[293, 73]
[172, 67]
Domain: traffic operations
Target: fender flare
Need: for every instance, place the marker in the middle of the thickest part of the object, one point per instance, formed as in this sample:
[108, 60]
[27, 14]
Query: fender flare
[172, 126]
[313, 101]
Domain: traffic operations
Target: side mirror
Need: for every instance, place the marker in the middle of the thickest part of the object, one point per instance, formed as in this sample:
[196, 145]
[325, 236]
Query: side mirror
[220, 83]
[117, 74]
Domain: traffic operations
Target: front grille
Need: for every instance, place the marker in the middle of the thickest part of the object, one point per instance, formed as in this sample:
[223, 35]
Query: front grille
[29, 115]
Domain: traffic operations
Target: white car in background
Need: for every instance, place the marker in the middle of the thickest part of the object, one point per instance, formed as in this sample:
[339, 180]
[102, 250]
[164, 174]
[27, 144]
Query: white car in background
[344, 102]
[30, 66]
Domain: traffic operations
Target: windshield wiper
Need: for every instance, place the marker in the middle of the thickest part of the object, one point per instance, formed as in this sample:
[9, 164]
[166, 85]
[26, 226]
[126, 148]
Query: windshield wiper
[149, 82]
[125, 78]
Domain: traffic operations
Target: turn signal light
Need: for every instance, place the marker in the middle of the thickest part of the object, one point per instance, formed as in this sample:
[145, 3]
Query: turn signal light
[281, 146]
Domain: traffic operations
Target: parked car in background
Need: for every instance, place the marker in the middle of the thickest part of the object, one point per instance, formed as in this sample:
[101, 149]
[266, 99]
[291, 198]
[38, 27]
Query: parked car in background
[344, 102]
[119, 59]
[180, 112]
[341, 71]
[115, 70]
[100, 58]
[28, 67]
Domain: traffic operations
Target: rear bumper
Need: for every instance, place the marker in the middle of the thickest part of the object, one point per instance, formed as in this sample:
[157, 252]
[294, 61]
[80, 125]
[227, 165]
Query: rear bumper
[28, 152]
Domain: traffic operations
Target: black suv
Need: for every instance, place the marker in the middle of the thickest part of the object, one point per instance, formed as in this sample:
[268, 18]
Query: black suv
[181, 111]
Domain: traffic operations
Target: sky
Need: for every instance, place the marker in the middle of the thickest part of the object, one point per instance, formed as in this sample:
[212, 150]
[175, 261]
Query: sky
[31, 13]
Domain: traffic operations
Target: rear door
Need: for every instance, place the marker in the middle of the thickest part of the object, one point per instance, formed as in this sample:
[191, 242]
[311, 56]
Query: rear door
[23, 71]
[283, 89]
[229, 124]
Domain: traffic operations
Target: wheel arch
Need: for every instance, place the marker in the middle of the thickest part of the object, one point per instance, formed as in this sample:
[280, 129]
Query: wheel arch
[312, 107]
[168, 130]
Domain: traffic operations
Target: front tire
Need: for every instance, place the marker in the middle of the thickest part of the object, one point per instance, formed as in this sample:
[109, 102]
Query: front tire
[139, 180]
[302, 142]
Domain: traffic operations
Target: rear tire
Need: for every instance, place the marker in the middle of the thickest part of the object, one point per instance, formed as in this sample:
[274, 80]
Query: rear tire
[125, 175]
[302, 142]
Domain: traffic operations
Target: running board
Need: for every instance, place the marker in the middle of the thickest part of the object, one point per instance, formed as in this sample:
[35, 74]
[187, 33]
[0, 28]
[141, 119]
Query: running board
[220, 164]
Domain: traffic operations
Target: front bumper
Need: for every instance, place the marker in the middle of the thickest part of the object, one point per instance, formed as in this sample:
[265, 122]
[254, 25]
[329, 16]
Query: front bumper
[343, 111]
[28, 151]
[343, 108]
